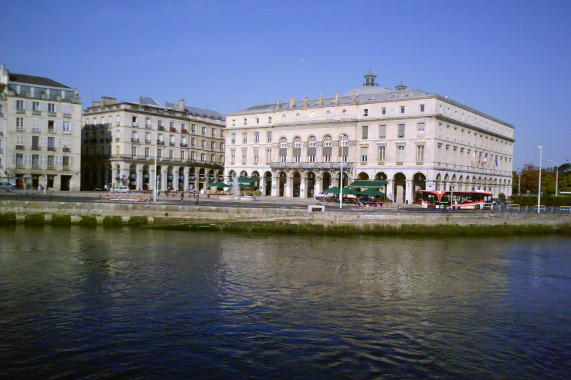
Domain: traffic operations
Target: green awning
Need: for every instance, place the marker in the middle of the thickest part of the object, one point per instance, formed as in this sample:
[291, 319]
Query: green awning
[346, 191]
[247, 180]
[369, 184]
[218, 184]
[371, 191]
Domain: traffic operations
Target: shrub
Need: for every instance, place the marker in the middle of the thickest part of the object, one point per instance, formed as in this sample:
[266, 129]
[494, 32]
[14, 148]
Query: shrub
[547, 200]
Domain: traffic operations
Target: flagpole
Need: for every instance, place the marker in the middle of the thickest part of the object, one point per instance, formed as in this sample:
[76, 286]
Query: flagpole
[341, 187]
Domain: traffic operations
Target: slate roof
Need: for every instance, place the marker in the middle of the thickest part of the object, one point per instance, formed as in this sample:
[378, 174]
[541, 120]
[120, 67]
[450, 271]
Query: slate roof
[40, 81]
[193, 111]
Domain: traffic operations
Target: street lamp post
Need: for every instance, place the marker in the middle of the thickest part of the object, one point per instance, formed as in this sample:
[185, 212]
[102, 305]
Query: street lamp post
[556, 178]
[519, 182]
[539, 190]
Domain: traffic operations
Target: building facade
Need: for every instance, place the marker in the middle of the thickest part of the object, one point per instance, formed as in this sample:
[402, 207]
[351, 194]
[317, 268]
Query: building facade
[413, 139]
[40, 135]
[125, 143]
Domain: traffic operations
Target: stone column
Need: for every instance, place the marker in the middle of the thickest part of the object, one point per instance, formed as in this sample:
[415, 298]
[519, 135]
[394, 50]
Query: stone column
[303, 186]
[139, 177]
[409, 192]
[318, 184]
[288, 190]
[275, 185]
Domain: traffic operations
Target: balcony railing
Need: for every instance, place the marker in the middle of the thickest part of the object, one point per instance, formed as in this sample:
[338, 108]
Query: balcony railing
[19, 147]
[135, 140]
[36, 147]
[159, 142]
[66, 150]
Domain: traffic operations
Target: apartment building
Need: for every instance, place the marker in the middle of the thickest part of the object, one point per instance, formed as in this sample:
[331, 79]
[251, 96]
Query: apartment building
[40, 135]
[411, 138]
[146, 144]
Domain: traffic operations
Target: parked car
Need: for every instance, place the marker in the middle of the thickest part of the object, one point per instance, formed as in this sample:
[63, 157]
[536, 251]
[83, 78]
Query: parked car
[120, 189]
[498, 201]
[366, 201]
[6, 186]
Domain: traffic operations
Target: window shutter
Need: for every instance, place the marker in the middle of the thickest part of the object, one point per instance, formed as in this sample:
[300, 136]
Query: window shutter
[28, 158]
[44, 159]
[43, 140]
[29, 140]
[56, 142]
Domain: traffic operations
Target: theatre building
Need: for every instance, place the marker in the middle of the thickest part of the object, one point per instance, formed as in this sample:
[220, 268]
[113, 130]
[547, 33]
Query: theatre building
[411, 138]
[124, 144]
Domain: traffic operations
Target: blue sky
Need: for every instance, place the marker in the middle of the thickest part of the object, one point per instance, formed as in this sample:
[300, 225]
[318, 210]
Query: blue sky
[509, 59]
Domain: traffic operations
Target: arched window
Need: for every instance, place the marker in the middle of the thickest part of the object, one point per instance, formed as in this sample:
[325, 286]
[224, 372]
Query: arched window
[327, 148]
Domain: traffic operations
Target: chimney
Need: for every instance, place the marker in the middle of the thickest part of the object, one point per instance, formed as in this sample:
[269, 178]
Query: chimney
[181, 105]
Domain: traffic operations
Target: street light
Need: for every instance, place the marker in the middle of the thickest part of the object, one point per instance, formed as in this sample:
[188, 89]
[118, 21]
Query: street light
[556, 177]
[539, 190]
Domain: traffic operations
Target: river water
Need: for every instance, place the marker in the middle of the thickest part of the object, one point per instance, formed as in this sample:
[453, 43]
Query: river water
[97, 303]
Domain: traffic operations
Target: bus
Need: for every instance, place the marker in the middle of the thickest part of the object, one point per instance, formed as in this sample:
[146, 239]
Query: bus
[463, 200]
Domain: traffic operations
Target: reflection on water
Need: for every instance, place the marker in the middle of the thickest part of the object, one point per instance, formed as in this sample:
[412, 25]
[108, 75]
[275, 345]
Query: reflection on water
[83, 303]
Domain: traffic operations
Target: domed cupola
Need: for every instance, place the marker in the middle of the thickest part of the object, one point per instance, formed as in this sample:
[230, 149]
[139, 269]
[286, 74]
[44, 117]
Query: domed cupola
[370, 80]
[401, 87]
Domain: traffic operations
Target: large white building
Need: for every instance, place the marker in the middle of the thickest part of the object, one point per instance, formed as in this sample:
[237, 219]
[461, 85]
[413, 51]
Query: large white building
[124, 143]
[411, 138]
[39, 132]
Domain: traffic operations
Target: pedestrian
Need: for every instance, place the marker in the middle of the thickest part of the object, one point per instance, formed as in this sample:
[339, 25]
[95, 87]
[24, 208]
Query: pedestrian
[181, 196]
[197, 196]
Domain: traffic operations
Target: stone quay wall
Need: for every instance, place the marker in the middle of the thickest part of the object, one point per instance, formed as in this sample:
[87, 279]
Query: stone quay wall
[179, 214]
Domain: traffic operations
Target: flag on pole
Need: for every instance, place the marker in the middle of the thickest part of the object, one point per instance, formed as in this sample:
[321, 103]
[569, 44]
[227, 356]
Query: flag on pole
[486, 159]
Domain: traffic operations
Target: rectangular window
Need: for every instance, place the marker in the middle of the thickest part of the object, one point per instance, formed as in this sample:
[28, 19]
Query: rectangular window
[269, 120]
[159, 153]
[203, 131]
[244, 156]
[245, 138]
[384, 110]
[382, 154]
[420, 130]
[19, 123]
[193, 128]
[268, 155]
[419, 153]
[212, 145]
[422, 108]
[400, 154]
[51, 108]
[182, 155]
[245, 121]
[232, 156]
[256, 137]
[35, 106]
[134, 151]
[269, 136]
[213, 132]
[147, 151]
[365, 132]
[366, 112]
[19, 105]
[364, 153]
[233, 138]
[401, 131]
[401, 109]
[382, 131]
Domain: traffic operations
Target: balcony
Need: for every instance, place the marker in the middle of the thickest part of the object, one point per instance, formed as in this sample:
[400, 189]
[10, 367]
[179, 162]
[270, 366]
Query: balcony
[19, 147]
[51, 148]
[183, 145]
[135, 125]
[66, 168]
[36, 147]
[161, 127]
[173, 129]
[311, 165]
[52, 114]
[160, 142]
[51, 130]
[172, 143]
[184, 130]
[135, 140]
[66, 150]
[35, 165]
[19, 165]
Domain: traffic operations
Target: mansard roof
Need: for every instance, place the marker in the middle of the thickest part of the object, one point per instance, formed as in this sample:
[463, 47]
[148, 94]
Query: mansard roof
[34, 80]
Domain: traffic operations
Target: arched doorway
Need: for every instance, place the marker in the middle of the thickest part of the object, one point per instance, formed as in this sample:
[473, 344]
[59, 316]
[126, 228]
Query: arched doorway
[191, 178]
[418, 183]
[268, 183]
[146, 177]
[310, 184]
[282, 184]
[326, 180]
[181, 179]
[296, 184]
[399, 187]
[170, 178]
[362, 176]
[201, 178]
